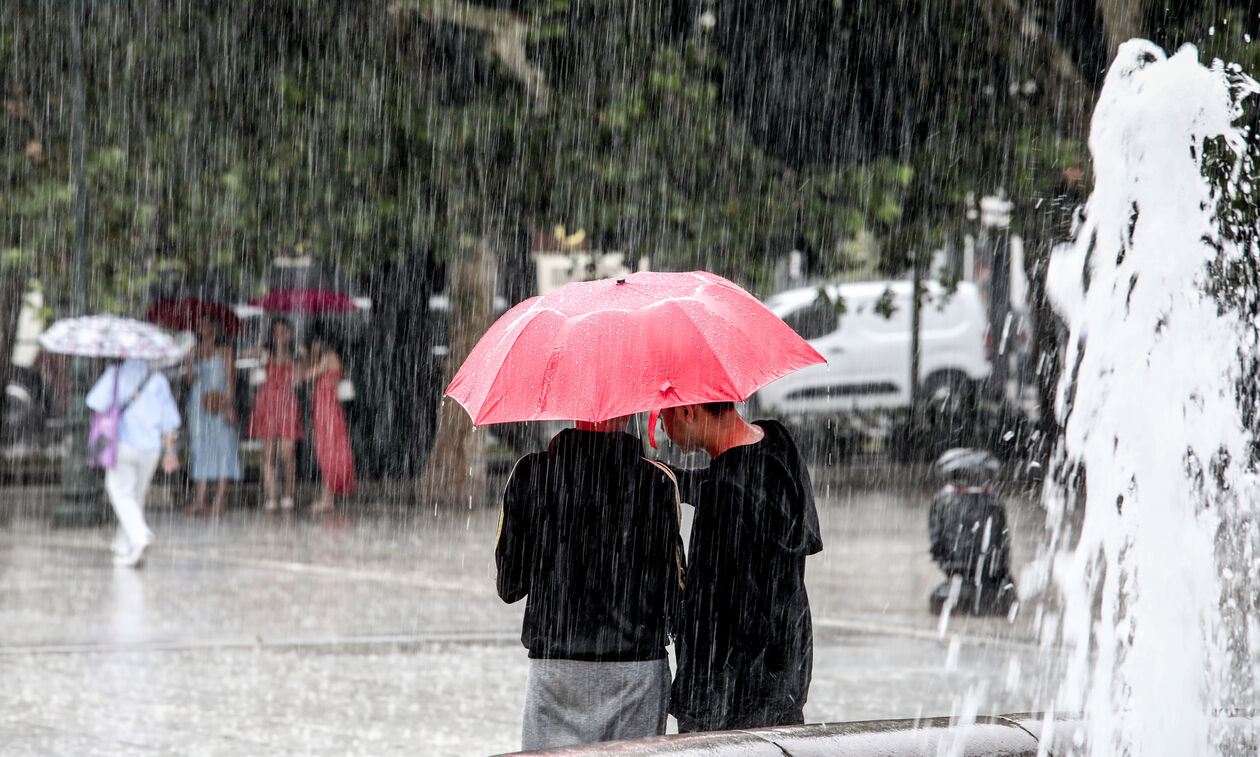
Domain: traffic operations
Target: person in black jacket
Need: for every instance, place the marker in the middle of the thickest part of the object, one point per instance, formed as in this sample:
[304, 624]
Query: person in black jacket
[589, 533]
[745, 640]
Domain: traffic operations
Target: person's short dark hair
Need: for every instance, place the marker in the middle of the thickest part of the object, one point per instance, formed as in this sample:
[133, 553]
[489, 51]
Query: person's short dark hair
[717, 408]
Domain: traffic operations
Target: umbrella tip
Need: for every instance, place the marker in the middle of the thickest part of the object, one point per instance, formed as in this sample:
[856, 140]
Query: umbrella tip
[621, 280]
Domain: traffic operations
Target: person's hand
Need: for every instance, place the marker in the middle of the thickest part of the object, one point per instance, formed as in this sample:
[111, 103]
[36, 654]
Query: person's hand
[170, 462]
[229, 415]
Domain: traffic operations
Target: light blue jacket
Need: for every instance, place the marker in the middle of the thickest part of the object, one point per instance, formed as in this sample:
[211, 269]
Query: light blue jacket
[153, 412]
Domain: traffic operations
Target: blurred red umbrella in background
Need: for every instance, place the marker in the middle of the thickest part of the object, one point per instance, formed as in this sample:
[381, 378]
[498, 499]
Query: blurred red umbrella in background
[306, 301]
[595, 350]
[183, 313]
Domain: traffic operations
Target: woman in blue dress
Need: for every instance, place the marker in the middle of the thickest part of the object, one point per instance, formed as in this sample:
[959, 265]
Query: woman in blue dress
[211, 418]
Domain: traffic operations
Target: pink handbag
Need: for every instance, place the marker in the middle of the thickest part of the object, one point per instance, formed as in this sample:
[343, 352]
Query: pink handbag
[103, 433]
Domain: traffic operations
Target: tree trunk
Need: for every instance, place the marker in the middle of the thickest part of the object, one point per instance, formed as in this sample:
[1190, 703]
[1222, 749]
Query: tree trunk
[12, 290]
[455, 474]
[1047, 351]
[1052, 224]
[1123, 21]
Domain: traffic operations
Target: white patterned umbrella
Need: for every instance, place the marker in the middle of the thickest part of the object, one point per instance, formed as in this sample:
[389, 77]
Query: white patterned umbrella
[108, 336]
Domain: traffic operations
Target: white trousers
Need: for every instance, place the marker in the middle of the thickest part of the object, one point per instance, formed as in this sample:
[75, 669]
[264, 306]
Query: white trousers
[127, 484]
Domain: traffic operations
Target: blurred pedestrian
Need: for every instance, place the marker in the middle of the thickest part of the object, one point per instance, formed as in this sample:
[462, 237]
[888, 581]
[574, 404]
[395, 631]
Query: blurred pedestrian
[332, 440]
[1023, 355]
[213, 446]
[276, 418]
[589, 533]
[745, 642]
[146, 428]
[969, 538]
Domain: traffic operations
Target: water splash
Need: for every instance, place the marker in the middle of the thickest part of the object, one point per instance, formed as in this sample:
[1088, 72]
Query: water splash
[1155, 450]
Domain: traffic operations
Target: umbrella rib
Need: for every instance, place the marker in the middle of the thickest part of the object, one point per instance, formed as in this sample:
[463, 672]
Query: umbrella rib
[717, 354]
[498, 372]
[703, 336]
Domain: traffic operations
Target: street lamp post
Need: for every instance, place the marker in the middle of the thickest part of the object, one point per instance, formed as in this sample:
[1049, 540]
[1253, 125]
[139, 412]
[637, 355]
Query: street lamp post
[80, 503]
[995, 220]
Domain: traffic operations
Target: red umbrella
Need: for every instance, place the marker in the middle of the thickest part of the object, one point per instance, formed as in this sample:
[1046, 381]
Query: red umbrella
[304, 301]
[183, 314]
[596, 350]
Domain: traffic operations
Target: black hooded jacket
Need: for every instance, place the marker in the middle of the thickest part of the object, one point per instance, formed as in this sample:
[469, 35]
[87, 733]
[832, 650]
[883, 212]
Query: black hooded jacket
[745, 642]
[589, 531]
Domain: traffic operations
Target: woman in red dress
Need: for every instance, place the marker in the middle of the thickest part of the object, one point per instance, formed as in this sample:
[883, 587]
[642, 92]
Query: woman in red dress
[332, 442]
[276, 417]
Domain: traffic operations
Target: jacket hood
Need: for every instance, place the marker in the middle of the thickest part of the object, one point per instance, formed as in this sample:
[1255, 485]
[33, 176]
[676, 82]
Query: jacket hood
[789, 468]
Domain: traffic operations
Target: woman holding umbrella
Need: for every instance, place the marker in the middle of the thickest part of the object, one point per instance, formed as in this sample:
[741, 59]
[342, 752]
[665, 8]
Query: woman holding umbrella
[146, 436]
[214, 454]
[277, 417]
[332, 441]
[140, 401]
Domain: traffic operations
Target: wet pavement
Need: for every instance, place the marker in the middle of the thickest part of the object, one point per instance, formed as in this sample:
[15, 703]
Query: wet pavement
[379, 632]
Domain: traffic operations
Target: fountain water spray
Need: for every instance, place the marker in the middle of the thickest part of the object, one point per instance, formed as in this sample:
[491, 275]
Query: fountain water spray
[1155, 449]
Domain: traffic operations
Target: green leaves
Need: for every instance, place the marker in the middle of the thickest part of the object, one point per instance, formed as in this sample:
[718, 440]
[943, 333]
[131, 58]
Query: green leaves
[234, 131]
[886, 304]
[12, 257]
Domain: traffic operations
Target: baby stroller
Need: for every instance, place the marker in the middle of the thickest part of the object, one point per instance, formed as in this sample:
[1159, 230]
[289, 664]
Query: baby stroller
[969, 537]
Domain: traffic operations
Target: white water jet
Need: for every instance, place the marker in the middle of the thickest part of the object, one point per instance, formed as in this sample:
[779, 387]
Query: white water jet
[1153, 424]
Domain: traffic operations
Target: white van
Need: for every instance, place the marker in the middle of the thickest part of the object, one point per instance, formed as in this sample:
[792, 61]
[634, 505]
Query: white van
[868, 354]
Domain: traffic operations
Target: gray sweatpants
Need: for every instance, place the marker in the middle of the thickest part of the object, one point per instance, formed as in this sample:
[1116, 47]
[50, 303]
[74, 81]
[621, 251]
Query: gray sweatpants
[574, 702]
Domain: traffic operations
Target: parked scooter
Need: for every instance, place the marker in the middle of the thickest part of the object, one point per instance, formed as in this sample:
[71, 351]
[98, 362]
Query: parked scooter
[969, 537]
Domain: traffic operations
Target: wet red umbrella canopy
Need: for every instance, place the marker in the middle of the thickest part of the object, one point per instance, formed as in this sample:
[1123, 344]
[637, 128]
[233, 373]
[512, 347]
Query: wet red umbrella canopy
[596, 350]
[304, 301]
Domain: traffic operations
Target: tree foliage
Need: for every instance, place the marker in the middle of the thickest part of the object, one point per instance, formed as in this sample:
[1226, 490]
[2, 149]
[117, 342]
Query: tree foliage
[370, 133]
[225, 133]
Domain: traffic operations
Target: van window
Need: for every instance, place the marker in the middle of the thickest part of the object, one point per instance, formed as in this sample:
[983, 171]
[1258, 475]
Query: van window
[813, 321]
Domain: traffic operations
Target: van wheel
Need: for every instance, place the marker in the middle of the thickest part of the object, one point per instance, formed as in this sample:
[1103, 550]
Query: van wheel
[949, 394]
[948, 416]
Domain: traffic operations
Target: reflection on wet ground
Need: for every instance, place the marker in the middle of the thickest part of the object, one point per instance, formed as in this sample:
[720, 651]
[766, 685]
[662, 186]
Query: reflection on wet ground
[380, 632]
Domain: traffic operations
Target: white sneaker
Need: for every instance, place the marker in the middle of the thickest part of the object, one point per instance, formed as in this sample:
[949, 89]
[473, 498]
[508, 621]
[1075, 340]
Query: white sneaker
[286, 503]
[134, 557]
[269, 504]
